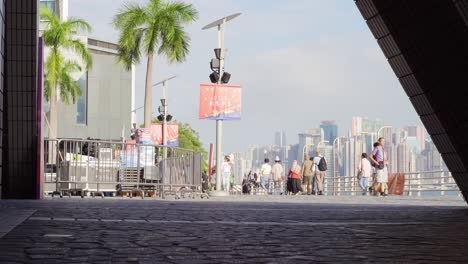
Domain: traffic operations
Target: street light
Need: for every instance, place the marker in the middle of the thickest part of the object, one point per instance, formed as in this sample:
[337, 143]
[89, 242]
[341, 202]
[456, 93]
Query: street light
[220, 52]
[164, 112]
[380, 129]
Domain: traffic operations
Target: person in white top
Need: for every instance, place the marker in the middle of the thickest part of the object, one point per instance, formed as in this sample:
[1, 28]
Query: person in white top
[365, 171]
[277, 173]
[319, 175]
[226, 172]
[265, 173]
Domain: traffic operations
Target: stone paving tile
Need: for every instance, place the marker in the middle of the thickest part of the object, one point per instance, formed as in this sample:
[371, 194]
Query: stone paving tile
[10, 218]
[235, 232]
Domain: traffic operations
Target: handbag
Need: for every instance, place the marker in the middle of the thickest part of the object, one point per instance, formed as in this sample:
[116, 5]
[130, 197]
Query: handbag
[359, 174]
[381, 165]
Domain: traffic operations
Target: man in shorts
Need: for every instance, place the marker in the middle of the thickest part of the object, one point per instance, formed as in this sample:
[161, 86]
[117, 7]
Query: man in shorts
[307, 174]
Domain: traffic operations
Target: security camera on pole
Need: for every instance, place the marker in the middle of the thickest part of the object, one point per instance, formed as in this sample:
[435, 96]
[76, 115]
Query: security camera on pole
[219, 76]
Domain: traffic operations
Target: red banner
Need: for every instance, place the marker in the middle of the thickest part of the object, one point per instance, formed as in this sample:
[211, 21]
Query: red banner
[220, 102]
[172, 132]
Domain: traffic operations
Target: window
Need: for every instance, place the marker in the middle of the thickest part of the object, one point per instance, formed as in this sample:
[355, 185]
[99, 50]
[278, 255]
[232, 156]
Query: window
[82, 101]
[49, 4]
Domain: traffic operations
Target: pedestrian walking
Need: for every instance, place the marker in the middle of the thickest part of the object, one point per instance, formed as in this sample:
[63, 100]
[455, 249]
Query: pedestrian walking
[379, 160]
[364, 173]
[295, 174]
[320, 169]
[277, 174]
[265, 174]
[226, 172]
[307, 174]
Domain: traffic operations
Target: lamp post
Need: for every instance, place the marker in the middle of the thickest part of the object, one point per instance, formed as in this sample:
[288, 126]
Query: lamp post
[164, 110]
[380, 129]
[220, 24]
[334, 163]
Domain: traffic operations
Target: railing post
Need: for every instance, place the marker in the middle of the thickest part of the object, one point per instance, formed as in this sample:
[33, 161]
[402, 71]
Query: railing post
[334, 185]
[409, 184]
[442, 192]
[419, 184]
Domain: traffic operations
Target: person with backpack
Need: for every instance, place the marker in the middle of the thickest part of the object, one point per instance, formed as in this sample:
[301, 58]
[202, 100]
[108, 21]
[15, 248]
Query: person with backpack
[320, 169]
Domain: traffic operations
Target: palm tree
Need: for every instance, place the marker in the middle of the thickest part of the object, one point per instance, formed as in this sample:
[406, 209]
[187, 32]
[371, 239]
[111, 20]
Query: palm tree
[156, 27]
[59, 36]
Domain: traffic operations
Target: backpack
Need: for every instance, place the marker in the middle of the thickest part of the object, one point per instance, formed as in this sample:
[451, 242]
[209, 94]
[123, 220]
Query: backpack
[322, 166]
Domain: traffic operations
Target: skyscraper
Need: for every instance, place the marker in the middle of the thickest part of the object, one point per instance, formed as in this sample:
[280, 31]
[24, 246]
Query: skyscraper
[356, 125]
[280, 138]
[330, 130]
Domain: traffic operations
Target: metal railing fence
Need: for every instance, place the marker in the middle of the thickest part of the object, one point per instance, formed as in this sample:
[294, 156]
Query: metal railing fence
[415, 183]
[92, 167]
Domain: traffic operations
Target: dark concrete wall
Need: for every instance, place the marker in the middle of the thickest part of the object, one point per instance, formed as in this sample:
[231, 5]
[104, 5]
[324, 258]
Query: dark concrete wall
[19, 126]
[426, 44]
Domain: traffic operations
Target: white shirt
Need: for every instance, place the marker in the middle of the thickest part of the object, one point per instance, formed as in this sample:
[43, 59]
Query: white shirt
[265, 169]
[277, 171]
[316, 163]
[226, 167]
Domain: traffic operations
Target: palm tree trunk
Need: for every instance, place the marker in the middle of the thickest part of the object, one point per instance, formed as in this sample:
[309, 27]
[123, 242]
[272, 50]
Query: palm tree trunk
[148, 91]
[53, 125]
[53, 114]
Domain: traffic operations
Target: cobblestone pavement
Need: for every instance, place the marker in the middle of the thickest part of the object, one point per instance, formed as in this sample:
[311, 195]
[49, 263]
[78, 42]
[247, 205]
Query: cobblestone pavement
[239, 230]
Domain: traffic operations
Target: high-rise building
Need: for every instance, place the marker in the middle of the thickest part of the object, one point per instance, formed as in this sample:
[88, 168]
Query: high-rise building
[330, 130]
[59, 7]
[387, 133]
[280, 138]
[105, 107]
[354, 147]
[419, 132]
[309, 141]
[356, 125]
[404, 157]
[391, 155]
[361, 125]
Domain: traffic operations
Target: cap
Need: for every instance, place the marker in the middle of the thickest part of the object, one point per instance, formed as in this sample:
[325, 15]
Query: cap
[277, 158]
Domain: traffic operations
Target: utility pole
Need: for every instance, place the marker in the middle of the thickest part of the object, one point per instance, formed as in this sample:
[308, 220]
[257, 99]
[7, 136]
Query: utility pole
[164, 103]
[220, 24]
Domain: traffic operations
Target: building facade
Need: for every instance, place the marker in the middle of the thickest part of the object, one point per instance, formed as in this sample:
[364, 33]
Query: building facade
[105, 110]
[330, 130]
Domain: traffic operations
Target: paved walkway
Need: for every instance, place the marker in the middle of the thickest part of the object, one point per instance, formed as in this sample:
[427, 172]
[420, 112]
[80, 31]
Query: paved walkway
[239, 230]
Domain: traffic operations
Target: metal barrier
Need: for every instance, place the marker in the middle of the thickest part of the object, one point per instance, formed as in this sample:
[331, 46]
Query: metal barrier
[91, 167]
[416, 183]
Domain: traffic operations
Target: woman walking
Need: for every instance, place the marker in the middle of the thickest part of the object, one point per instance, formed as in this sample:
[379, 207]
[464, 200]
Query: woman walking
[365, 170]
[295, 174]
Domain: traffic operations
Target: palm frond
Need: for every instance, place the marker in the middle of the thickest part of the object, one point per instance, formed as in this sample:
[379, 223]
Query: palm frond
[81, 49]
[77, 25]
[175, 44]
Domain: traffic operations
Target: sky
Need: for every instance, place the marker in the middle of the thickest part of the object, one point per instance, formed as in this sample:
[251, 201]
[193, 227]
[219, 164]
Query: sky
[298, 62]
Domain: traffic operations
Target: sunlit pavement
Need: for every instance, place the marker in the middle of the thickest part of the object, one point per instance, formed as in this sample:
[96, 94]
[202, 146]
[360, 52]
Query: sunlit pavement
[239, 229]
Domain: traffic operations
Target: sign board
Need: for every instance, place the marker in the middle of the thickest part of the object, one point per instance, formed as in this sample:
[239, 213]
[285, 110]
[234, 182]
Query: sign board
[220, 102]
[172, 134]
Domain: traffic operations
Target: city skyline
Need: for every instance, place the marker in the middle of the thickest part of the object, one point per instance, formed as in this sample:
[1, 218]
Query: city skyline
[408, 148]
